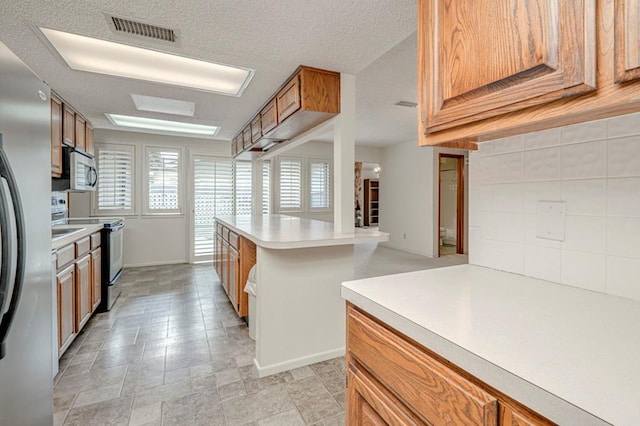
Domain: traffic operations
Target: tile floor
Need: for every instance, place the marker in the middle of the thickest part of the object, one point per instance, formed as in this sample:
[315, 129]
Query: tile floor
[173, 352]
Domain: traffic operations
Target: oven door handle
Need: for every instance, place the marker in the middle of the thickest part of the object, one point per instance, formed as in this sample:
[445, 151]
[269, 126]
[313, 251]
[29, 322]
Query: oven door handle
[117, 227]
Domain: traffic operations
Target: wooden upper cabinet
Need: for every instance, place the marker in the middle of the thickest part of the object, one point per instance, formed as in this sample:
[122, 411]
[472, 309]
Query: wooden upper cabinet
[627, 40]
[269, 117]
[288, 99]
[246, 136]
[69, 126]
[90, 147]
[479, 62]
[56, 136]
[81, 133]
[256, 129]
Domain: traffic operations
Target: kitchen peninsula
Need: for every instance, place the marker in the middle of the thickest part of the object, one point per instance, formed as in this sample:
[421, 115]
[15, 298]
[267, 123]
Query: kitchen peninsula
[301, 263]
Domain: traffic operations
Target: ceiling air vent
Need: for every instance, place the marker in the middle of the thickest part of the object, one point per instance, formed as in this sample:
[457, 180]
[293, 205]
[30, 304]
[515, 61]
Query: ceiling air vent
[406, 104]
[155, 32]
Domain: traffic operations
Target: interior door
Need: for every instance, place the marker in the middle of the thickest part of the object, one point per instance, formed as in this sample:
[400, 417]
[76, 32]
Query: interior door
[211, 195]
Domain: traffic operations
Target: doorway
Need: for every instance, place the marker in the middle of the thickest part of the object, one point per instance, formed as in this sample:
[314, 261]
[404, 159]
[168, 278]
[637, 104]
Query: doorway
[451, 204]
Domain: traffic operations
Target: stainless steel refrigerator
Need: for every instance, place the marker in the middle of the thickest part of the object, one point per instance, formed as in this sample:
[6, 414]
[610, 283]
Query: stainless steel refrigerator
[26, 293]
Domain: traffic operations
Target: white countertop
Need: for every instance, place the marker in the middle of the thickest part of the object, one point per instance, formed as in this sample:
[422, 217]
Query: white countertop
[278, 231]
[552, 347]
[82, 231]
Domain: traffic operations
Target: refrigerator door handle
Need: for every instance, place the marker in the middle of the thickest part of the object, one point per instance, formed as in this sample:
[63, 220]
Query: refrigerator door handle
[13, 248]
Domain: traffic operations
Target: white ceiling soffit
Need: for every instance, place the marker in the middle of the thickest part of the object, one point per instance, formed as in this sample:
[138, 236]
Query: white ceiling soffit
[163, 105]
[270, 37]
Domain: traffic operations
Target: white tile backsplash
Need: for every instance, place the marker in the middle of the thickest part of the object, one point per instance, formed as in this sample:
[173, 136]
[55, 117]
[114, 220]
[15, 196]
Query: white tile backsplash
[623, 197]
[584, 160]
[585, 197]
[584, 270]
[508, 168]
[623, 236]
[597, 178]
[543, 139]
[542, 164]
[584, 132]
[623, 157]
[621, 277]
[585, 233]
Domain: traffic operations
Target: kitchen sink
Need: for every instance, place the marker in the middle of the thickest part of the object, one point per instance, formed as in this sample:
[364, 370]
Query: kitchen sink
[62, 232]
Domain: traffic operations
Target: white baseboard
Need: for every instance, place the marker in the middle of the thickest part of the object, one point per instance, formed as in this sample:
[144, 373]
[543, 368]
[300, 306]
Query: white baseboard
[268, 370]
[141, 265]
[419, 253]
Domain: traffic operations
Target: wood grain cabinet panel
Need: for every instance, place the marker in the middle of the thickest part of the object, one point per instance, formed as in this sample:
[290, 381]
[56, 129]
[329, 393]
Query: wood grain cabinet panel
[269, 117]
[81, 133]
[66, 308]
[504, 56]
[288, 99]
[246, 137]
[256, 129]
[627, 40]
[90, 147]
[96, 278]
[84, 301]
[69, 126]
[56, 136]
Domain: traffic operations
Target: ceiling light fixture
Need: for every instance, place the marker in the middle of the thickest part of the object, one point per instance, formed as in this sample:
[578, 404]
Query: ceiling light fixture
[163, 105]
[162, 125]
[121, 60]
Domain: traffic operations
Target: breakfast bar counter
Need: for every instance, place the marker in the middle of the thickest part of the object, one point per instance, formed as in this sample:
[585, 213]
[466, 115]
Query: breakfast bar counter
[301, 263]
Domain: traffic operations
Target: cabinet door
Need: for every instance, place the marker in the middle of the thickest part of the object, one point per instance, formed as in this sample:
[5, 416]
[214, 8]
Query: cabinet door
[91, 150]
[225, 266]
[81, 131]
[69, 126]
[480, 62]
[288, 99]
[269, 117]
[256, 129]
[96, 278]
[246, 137]
[369, 403]
[627, 40]
[56, 137]
[233, 277]
[66, 308]
[84, 302]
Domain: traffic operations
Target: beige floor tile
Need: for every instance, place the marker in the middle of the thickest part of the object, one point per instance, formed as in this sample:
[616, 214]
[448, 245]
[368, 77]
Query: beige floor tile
[256, 406]
[97, 395]
[288, 418]
[147, 414]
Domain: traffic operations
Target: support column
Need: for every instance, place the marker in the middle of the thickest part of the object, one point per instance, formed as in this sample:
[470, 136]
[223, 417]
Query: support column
[344, 157]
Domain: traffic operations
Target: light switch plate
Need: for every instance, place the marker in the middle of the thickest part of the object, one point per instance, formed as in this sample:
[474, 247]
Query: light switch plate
[551, 220]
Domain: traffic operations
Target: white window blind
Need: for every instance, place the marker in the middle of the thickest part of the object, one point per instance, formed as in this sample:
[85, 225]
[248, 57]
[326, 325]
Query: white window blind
[319, 184]
[266, 187]
[243, 183]
[115, 180]
[163, 180]
[213, 196]
[290, 177]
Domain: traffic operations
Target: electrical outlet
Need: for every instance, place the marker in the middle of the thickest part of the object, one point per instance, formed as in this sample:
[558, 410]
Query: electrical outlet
[404, 236]
[551, 220]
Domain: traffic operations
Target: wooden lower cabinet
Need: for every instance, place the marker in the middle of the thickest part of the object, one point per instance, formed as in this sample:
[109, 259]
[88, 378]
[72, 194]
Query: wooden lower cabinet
[66, 307]
[392, 380]
[233, 259]
[96, 278]
[84, 300]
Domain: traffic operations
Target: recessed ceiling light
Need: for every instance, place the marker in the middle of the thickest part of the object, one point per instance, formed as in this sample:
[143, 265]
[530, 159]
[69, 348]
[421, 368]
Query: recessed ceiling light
[162, 125]
[164, 105]
[105, 57]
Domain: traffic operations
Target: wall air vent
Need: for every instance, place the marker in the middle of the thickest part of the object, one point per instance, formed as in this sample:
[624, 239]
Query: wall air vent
[127, 26]
[406, 104]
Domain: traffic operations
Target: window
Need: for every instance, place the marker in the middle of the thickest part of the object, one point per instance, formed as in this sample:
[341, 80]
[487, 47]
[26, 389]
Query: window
[114, 194]
[290, 177]
[266, 187]
[319, 184]
[163, 181]
[243, 184]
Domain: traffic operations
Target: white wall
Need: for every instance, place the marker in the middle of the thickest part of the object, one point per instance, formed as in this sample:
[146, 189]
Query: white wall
[409, 197]
[595, 168]
[152, 240]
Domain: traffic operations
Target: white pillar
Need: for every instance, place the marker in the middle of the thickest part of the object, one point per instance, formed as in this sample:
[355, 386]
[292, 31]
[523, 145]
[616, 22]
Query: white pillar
[344, 157]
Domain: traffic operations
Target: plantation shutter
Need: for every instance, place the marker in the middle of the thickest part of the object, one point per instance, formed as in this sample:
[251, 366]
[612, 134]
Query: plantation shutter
[163, 180]
[243, 187]
[290, 184]
[266, 187]
[319, 180]
[115, 179]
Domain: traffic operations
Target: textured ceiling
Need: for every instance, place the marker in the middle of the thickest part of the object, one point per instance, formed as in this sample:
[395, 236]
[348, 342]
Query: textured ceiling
[271, 37]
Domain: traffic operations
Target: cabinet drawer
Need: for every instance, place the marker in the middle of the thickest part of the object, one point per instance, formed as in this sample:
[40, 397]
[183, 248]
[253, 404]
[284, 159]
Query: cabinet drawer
[66, 255]
[233, 239]
[289, 99]
[435, 392]
[225, 233]
[95, 241]
[83, 246]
